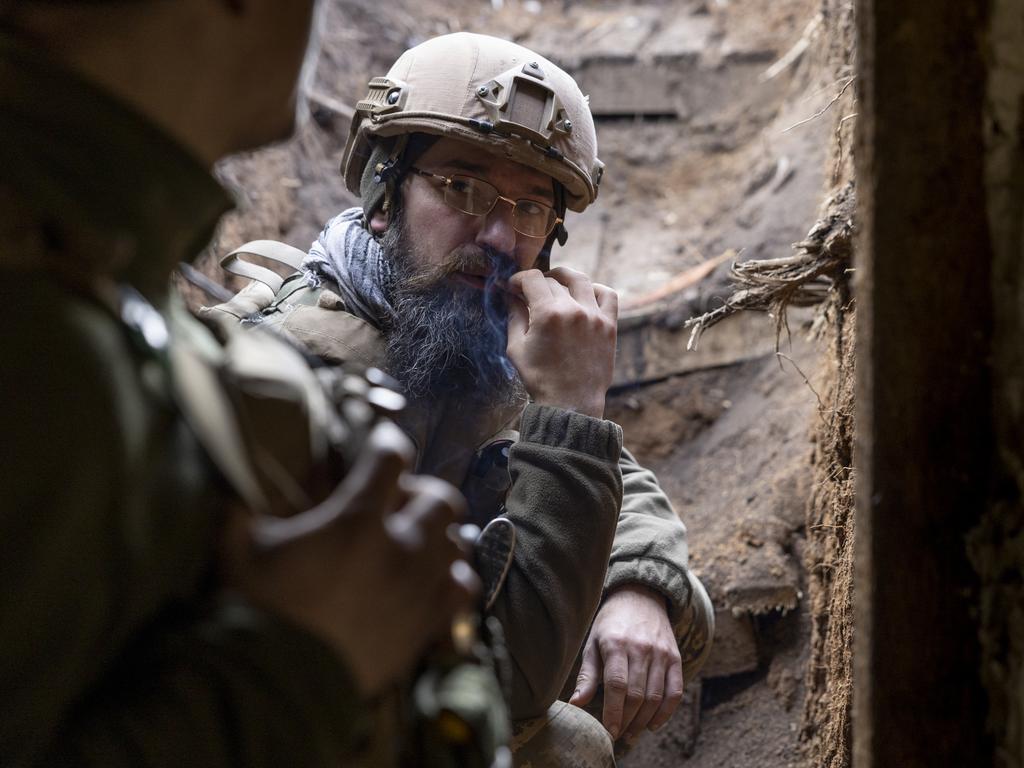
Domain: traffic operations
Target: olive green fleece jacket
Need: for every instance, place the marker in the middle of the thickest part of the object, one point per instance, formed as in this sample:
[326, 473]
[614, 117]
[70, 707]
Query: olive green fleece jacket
[114, 651]
[588, 517]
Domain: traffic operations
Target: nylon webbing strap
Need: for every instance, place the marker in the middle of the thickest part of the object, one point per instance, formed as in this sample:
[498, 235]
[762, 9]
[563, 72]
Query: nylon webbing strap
[197, 359]
[268, 249]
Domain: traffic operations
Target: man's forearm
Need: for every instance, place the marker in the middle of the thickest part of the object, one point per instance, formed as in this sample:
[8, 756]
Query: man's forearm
[564, 501]
[650, 547]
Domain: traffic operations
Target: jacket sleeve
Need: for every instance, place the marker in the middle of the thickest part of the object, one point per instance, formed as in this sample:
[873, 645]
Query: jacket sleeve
[650, 540]
[564, 501]
[95, 671]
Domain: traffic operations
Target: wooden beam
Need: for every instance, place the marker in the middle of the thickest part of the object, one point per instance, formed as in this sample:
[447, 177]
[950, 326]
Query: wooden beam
[925, 437]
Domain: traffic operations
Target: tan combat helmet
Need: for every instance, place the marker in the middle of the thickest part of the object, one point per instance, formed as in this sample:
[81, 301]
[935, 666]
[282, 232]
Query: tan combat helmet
[485, 91]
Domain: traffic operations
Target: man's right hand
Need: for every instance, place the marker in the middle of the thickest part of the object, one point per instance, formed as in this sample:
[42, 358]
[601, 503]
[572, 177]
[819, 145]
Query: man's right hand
[371, 570]
[561, 337]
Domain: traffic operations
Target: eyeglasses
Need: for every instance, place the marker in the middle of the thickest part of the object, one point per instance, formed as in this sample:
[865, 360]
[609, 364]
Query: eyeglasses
[478, 198]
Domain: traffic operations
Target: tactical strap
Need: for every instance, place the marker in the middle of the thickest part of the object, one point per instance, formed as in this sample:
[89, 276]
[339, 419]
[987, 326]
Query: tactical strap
[495, 550]
[279, 253]
[196, 358]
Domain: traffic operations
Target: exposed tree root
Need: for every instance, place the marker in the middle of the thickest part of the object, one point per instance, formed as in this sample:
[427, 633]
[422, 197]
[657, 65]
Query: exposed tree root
[804, 279]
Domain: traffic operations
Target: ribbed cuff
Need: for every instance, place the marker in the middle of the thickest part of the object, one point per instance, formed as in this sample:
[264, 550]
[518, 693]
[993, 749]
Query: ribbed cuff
[657, 575]
[559, 428]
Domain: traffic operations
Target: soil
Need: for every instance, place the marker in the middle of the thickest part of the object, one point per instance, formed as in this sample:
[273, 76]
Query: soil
[721, 158]
[827, 718]
[731, 447]
[829, 699]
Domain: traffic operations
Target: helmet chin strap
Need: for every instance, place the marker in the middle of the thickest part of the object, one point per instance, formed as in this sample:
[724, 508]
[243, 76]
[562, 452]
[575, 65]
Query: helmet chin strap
[388, 173]
[385, 169]
[559, 233]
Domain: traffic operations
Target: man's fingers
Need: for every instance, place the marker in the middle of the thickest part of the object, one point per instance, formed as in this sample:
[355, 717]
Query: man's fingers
[532, 284]
[578, 284]
[461, 589]
[518, 318]
[432, 506]
[371, 485]
[673, 695]
[558, 291]
[419, 534]
[654, 695]
[607, 300]
[616, 681]
[639, 669]
[589, 677]
[372, 482]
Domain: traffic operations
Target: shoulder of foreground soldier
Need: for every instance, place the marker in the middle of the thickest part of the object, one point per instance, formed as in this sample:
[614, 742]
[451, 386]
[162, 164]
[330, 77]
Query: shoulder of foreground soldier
[107, 516]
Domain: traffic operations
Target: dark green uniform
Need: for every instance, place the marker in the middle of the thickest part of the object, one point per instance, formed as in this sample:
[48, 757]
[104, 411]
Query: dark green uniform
[114, 648]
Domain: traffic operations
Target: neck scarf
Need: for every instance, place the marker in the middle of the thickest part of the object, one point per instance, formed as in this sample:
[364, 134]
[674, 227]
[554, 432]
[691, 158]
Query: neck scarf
[347, 254]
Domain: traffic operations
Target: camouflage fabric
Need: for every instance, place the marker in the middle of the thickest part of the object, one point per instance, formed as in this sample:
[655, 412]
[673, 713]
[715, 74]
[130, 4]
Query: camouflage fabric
[566, 737]
[695, 629]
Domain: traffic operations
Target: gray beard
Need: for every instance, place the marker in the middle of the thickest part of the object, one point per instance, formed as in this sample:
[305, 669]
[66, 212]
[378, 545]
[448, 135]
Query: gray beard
[446, 340]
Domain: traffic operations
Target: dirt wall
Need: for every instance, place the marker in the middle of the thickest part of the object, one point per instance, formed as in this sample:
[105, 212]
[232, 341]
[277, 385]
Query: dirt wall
[826, 730]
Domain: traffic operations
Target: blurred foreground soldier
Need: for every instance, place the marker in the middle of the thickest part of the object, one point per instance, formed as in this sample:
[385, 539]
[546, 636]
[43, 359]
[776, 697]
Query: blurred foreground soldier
[117, 644]
[466, 157]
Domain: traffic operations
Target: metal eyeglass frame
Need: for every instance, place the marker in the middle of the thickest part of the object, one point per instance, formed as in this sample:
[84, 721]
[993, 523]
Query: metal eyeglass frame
[514, 203]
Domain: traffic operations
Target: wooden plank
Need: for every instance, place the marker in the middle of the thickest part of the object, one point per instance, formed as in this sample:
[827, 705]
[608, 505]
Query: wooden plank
[651, 347]
[676, 285]
[627, 86]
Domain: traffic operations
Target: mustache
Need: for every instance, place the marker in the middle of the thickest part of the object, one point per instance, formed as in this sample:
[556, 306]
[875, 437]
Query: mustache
[497, 265]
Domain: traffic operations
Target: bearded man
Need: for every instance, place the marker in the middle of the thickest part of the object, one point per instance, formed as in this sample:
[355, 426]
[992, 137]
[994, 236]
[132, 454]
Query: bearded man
[466, 157]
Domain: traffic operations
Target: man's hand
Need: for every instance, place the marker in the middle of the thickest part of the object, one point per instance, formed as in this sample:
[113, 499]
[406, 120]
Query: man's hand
[561, 338]
[371, 570]
[632, 650]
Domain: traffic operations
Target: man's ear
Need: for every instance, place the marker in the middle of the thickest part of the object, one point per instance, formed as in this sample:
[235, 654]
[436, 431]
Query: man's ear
[378, 221]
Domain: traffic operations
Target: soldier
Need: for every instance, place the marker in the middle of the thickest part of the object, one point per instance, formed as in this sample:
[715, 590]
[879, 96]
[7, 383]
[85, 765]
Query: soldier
[466, 156]
[141, 622]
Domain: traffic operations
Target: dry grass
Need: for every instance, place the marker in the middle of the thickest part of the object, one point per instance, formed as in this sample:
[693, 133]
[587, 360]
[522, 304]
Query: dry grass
[806, 278]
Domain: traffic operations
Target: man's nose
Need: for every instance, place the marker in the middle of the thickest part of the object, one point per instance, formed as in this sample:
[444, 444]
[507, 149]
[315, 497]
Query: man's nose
[496, 229]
